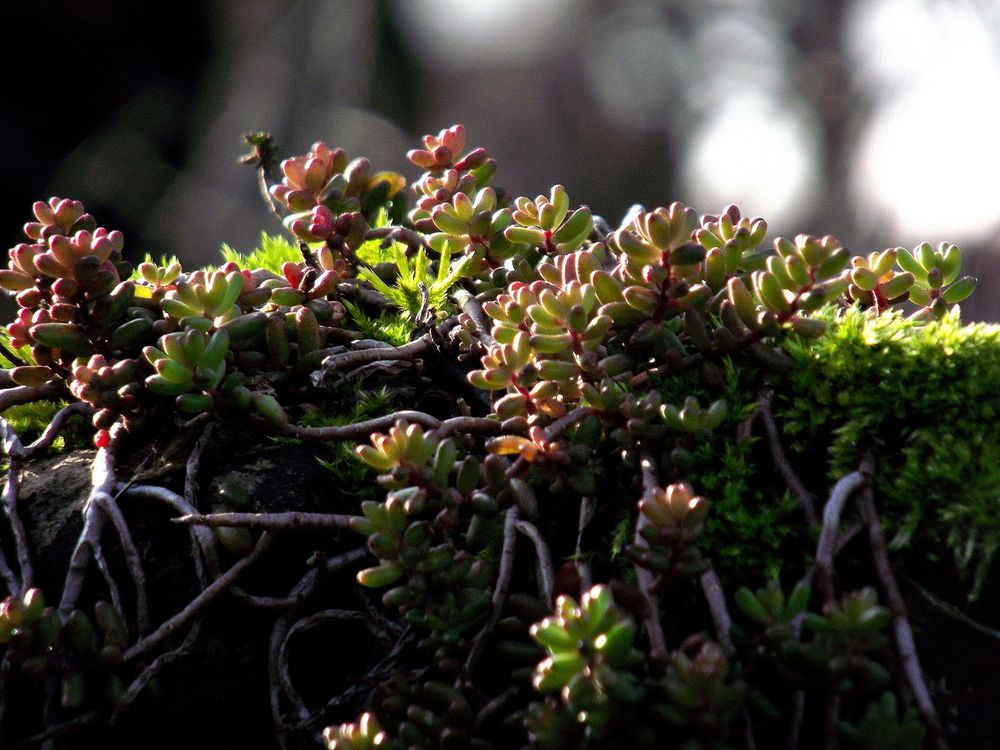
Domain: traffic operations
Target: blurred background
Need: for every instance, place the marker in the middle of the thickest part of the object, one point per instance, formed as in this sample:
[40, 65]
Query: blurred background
[877, 121]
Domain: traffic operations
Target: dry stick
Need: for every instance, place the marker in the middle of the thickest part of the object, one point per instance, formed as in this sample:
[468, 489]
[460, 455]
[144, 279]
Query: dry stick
[24, 394]
[795, 722]
[544, 556]
[270, 521]
[946, 608]
[831, 714]
[825, 547]
[101, 563]
[196, 605]
[711, 587]
[302, 590]
[362, 430]
[284, 521]
[479, 425]
[901, 625]
[132, 560]
[587, 509]
[204, 539]
[144, 678]
[507, 554]
[51, 431]
[566, 421]
[494, 705]
[201, 535]
[356, 357]
[5, 670]
[307, 585]
[15, 453]
[657, 641]
[472, 307]
[307, 623]
[716, 597]
[375, 675]
[102, 483]
[781, 461]
[58, 730]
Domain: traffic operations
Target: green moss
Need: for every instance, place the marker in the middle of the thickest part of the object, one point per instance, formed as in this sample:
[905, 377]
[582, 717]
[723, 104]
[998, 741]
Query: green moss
[30, 420]
[272, 252]
[388, 327]
[925, 400]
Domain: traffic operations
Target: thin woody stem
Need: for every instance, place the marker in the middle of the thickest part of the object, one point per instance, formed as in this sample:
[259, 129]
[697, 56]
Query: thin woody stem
[901, 625]
[507, 554]
[199, 603]
[647, 582]
[290, 520]
[545, 570]
[781, 462]
[829, 532]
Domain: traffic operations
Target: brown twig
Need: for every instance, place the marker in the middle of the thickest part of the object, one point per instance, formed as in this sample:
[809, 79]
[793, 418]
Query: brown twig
[146, 676]
[15, 453]
[472, 307]
[355, 357]
[905, 645]
[201, 536]
[57, 730]
[102, 483]
[546, 573]
[290, 520]
[361, 430]
[949, 609]
[711, 587]
[310, 583]
[314, 620]
[781, 462]
[25, 394]
[196, 605]
[51, 431]
[587, 510]
[507, 555]
[795, 720]
[566, 421]
[477, 425]
[825, 547]
[101, 563]
[203, 539]
[831, 714]
[133, 561]
[647, 582]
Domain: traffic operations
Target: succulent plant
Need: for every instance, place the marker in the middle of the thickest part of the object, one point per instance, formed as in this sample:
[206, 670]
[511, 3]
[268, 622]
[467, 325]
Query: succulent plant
[591, 657]
[594, 363]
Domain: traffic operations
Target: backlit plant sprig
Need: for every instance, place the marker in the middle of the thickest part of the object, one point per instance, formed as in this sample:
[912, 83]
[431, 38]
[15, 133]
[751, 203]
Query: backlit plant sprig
[448, 173]
[473, 226]
[676, 520]
[591, 659]
[320, 185]
[547, 224]
[875, 282]
[204, 302]
[436, 583]
[732, 244]
[936, 286]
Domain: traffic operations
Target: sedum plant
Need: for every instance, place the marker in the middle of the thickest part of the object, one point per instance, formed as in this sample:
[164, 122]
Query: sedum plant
[568, 550]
